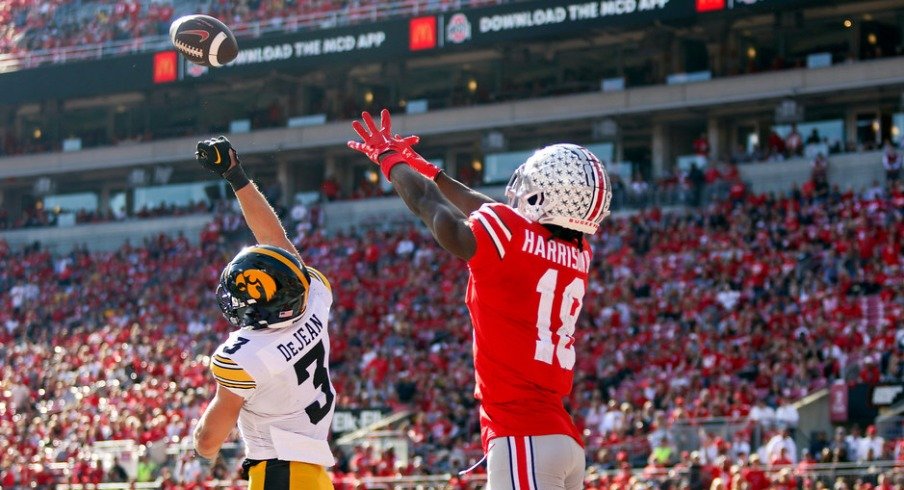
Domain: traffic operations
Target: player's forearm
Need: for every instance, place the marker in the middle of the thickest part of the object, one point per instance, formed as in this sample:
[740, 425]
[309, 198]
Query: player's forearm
[419, 193]
[445, 221]
[464, 198]
[262, 219]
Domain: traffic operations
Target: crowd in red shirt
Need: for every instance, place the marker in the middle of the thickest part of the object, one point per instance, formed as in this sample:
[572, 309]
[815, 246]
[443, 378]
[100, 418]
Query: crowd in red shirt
[28, 25]
[688, 315]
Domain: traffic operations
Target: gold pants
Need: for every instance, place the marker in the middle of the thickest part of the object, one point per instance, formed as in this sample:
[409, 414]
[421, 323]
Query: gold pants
[275, 474]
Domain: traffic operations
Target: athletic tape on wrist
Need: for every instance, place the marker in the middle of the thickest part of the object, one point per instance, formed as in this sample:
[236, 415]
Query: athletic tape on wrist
[236, 177]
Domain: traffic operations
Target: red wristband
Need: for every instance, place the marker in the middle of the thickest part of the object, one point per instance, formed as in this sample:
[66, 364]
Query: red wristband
[416, 162]
[389, 161]
[425, 168]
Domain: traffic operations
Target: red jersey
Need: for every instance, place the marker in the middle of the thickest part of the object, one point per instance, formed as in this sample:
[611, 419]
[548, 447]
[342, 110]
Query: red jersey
[524, 295]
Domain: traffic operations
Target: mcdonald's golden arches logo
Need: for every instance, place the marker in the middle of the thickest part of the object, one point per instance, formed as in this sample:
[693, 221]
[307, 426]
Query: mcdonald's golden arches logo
[166, 68]
[422, 33]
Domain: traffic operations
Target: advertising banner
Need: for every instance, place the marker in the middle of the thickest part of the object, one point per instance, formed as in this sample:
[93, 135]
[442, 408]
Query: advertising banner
[352, 419]
[888, 394]
[301, 51]
[838, 403]
[82, 78]
[531, 20]
[305, 50]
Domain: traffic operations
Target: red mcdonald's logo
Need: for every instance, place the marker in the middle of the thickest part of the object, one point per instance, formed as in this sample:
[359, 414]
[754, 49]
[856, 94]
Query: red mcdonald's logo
[710, 5]
[422, 33]
[165, 67]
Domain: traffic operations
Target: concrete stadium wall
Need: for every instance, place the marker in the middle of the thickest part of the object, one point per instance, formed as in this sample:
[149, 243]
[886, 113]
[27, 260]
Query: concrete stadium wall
[106, 236]
[855, 171]
[660, 98]
[814, 417]
[379, 211]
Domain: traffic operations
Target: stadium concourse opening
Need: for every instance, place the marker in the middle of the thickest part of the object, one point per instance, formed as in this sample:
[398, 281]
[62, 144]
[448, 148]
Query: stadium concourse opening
[748, 283]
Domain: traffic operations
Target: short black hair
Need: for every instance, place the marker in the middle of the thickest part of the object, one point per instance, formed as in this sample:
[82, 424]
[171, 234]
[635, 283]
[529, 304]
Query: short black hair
[567, 234]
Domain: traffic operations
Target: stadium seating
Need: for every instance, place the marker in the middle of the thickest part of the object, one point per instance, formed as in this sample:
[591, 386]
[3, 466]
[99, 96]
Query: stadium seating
[49, 28]
[689, 316]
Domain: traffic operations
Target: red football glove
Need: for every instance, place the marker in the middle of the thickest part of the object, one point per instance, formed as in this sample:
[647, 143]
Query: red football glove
[386, 150]
[375, 141]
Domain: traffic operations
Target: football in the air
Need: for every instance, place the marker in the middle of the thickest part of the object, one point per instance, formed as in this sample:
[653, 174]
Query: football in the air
[203, 40]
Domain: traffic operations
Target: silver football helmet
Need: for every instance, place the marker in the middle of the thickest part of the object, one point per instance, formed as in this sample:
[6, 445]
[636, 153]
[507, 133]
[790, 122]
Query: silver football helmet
[564, 185]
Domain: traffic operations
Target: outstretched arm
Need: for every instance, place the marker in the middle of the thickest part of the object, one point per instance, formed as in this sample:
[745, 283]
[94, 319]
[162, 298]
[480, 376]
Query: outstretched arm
[261, 217]
[445, 221]
[212, 154]
[464, 198]
[387, 151]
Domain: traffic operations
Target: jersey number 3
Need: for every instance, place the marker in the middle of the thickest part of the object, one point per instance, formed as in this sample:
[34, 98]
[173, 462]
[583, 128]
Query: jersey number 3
[317, 356]
[572, 299]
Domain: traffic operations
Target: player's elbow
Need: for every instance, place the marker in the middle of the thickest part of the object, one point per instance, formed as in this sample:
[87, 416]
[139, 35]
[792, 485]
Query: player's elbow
[205, 443]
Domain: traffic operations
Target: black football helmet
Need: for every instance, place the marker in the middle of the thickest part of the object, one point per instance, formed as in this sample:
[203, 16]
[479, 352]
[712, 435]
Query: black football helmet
[262, 287]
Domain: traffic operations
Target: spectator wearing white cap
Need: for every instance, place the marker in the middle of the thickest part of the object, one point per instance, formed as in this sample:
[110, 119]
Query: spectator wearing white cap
[870, 446]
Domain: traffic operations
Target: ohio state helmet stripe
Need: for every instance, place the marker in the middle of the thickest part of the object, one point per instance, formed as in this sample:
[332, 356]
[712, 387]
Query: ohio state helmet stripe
[599, 188]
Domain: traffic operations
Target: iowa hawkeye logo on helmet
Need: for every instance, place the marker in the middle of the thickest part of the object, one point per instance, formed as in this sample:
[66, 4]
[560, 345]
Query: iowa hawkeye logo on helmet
[256, 284]
[263, 286]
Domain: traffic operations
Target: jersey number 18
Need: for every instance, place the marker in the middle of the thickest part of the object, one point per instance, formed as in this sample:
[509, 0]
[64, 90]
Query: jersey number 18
[572, 300]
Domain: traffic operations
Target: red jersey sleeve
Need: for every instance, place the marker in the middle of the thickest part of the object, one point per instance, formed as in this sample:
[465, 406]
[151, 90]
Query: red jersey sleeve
[494, 226]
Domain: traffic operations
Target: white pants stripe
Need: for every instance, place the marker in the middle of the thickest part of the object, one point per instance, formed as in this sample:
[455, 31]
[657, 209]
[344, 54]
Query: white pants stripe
[550, 462]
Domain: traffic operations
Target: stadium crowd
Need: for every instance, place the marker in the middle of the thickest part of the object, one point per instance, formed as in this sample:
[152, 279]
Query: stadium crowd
[40, 216]
[28, 26]
[732, 311]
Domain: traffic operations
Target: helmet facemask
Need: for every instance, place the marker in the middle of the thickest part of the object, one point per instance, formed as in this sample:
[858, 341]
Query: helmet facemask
[563, 185]
[263, 287]
[524, 196]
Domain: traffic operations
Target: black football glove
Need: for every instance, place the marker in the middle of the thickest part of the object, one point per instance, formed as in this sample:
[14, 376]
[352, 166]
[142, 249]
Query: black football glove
[213, 154]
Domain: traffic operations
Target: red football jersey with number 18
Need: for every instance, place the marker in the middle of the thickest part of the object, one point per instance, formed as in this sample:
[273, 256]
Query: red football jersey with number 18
[524, 295]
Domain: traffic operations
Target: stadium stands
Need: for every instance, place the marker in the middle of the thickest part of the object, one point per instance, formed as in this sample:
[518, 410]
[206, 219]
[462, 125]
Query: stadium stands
[706, 327]
[36, 33]
[692, 318]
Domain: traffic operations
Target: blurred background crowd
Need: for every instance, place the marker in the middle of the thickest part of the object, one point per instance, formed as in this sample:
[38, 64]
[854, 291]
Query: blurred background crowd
[754, 263]
[724, 316]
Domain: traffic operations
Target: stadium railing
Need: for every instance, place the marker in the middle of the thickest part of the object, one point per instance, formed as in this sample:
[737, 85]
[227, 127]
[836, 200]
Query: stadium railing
[891, 426]
[692, 434]
[253, 29]
[422, 482]
[825, 472]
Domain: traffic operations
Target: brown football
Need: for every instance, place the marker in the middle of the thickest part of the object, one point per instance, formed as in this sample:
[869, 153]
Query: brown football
[204, 40]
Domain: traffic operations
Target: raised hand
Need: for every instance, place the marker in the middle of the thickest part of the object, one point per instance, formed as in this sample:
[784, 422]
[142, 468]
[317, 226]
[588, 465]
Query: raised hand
[388, 150]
